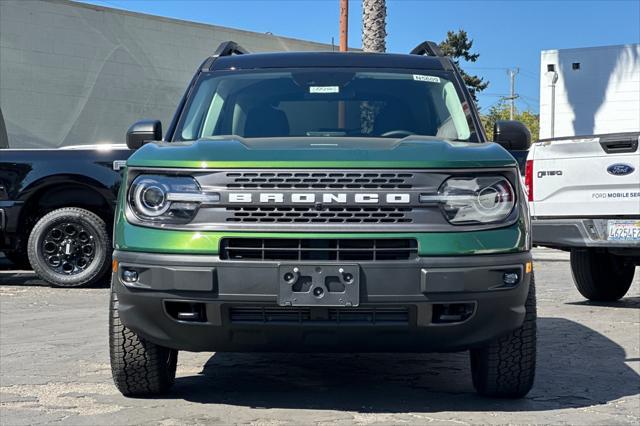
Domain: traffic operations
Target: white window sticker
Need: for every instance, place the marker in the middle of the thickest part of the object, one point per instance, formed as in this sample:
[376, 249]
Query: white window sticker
[428, 78]
[324, 89]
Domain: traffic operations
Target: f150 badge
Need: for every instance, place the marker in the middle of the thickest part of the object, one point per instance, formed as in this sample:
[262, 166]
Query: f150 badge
[543, 173]
[620, 169]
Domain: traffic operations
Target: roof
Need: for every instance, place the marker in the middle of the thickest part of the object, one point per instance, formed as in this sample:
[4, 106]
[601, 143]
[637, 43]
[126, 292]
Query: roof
[327, 59]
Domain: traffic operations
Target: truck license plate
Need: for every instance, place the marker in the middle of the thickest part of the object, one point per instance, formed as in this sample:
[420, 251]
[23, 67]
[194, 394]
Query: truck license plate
[623, 230]
[319, 285]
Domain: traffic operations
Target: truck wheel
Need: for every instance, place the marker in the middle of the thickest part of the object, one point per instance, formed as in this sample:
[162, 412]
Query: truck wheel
[600, 276]
[70, 247]
[506, 367]
[138, 367]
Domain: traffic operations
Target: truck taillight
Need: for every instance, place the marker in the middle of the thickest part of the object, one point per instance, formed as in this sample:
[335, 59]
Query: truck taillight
[528, 179]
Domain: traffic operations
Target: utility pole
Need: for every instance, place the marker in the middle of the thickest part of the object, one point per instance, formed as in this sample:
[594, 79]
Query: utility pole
[344, 25]
[344, 37]
[512, 92]
[552, 79]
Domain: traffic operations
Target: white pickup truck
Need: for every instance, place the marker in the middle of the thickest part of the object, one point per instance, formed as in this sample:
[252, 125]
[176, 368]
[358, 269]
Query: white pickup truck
[584, 195]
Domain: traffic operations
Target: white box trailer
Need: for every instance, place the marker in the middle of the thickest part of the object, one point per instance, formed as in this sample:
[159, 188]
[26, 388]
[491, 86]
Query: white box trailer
[583, 176]
[589, 91]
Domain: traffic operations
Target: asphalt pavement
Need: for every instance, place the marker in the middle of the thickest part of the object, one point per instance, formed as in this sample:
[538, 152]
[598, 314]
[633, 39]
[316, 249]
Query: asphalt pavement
[54, 368]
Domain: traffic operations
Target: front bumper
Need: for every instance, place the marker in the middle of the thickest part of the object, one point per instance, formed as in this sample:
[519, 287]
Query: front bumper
[575, 233]
[398, 309]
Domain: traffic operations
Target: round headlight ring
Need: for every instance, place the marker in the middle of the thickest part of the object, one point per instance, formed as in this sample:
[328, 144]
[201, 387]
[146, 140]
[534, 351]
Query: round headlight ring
[144, 204]
[499, 194]
[153, 197]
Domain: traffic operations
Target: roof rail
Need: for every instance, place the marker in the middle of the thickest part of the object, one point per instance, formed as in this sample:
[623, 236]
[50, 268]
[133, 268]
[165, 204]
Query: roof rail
[226, 48]
[427, 48]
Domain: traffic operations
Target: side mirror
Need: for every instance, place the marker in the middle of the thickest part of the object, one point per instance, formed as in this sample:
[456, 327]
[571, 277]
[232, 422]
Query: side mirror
[142, 132]
[512, 135]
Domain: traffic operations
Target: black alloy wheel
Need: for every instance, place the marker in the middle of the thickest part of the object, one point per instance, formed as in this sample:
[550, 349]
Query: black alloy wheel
[68, 247]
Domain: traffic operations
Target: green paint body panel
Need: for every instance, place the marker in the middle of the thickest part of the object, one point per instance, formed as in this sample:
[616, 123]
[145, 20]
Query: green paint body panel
[152, 240]
[416, 153]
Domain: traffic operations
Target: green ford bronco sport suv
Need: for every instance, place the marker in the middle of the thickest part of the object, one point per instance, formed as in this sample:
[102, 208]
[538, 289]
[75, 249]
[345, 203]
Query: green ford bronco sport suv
[323, 202]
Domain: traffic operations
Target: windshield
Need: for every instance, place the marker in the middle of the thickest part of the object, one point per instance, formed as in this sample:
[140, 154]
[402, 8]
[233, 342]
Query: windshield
[327, 102]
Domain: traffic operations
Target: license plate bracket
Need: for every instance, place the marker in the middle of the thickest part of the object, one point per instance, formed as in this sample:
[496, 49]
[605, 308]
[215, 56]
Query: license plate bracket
[319, 285]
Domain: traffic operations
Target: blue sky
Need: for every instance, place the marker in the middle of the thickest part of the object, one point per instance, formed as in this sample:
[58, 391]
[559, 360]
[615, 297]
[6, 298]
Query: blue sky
[505, 33]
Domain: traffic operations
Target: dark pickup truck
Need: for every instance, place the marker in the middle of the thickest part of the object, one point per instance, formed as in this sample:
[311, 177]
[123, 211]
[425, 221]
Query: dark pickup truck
[56, 210]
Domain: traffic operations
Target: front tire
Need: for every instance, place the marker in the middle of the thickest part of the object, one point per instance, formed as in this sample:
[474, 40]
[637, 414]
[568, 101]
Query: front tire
[506, 367]
[70, 247]
[600, 276]
[138, 367]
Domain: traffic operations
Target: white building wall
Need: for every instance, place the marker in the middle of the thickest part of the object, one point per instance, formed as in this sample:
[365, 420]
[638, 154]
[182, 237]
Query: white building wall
[73, 74]
[602, 96]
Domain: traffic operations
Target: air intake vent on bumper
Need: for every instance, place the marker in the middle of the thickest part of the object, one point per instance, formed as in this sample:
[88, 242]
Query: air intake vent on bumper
[319, 249]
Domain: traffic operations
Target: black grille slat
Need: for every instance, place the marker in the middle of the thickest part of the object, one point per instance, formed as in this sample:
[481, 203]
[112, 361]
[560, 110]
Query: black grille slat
[331, 214]
[335, 316]
[320, 249]
[284, 180]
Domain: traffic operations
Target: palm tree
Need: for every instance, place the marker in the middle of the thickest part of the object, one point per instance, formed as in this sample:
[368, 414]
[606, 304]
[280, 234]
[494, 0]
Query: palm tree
[374, 32]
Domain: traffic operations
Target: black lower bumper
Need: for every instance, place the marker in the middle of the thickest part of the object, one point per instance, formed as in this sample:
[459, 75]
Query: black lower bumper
[575, 233]
[426, 304]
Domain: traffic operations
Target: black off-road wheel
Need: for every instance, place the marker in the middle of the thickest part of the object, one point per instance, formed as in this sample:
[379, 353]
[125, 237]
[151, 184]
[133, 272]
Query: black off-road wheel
[139, 368]
[506, 367]
[70, 247]
[600, 276]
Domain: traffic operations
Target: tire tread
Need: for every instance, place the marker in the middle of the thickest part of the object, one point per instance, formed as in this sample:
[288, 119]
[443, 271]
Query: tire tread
[506, 367]
[138, 367]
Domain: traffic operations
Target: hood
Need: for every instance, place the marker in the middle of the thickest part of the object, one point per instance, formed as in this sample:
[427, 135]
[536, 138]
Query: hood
[322, 152]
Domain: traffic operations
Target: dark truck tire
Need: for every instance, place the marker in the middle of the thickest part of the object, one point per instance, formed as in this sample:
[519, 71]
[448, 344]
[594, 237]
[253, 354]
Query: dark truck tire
[138, 367]
[81, 232]
[600, 276]
[506, 367]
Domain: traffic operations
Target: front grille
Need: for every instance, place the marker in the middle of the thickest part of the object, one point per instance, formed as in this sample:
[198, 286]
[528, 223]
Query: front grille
[335, 316]
[318, 180]
[318, 249]
[333, 215]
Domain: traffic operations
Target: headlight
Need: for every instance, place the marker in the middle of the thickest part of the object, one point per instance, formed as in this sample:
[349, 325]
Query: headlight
[167, 199]
[473, 200]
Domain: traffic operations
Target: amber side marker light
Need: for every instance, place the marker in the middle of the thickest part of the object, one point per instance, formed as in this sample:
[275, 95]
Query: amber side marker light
[114, 265]
[528, 267]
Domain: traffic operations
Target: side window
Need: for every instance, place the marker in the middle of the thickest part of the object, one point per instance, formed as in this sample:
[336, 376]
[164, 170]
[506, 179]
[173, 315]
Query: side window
[456, 126]
[213, 115]
[199, 106]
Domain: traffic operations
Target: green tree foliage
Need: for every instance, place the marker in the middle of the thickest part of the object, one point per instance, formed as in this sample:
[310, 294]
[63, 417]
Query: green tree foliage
[500, 111]
[458, 46]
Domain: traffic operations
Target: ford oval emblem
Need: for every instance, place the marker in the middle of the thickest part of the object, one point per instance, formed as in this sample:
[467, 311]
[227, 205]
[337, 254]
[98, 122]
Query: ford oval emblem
[620, 169]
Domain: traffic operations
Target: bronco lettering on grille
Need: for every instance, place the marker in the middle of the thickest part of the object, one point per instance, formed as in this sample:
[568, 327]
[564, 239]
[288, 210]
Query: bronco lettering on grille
[325, 198]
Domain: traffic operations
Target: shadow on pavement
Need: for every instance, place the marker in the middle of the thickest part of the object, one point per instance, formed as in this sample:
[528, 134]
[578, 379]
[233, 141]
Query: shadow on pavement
[21, 278]
[625, 302]
[577, 367]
